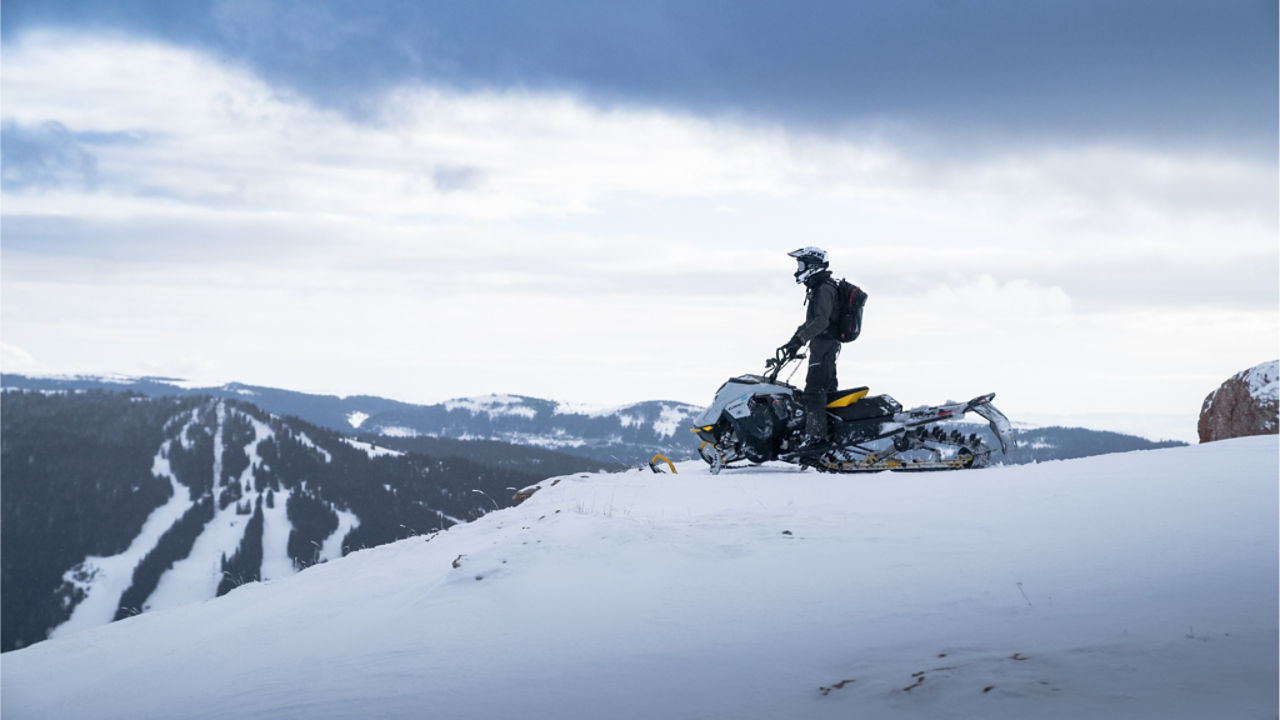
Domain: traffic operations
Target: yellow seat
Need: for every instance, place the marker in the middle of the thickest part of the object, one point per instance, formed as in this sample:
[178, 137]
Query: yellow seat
[845, 398]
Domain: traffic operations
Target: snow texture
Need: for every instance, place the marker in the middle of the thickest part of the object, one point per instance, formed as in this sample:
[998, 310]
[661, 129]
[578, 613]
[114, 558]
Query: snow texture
[586, 409]
[331, 549]
[1141, 585]
[196, 577]
[370, 449]
[493, 406]
[276, 563]
[307, 441]
[105, 580]
[1264, 381]
[398, 431]
[669, 420]
[357, 418]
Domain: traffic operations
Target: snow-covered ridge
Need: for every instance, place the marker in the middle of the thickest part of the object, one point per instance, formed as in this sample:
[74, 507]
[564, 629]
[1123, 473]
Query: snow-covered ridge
[493, 405]
[556, 425]
[585, 409]
[370, 449]
[1128, 585]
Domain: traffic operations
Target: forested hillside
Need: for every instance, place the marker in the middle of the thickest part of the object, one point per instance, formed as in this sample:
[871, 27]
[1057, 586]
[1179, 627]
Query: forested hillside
[118, 503]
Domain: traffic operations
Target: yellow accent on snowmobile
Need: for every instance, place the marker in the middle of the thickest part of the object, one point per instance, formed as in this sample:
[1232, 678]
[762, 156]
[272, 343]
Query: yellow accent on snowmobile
[653, 463]
[847, 400]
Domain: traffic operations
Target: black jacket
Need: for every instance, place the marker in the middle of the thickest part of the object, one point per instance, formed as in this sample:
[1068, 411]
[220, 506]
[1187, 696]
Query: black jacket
[821, 302]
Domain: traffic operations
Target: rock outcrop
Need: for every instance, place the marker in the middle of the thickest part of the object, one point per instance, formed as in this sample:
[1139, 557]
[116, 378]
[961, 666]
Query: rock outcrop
[1246, 404]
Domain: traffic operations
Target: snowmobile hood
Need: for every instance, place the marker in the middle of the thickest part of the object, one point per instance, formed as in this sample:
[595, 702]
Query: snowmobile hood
[737, 389]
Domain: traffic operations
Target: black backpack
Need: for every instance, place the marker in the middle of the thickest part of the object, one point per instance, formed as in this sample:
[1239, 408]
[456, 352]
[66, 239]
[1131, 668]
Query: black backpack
[848, 319]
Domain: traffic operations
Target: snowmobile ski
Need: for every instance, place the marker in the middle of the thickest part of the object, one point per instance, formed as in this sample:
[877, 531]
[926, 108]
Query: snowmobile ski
[656, 461]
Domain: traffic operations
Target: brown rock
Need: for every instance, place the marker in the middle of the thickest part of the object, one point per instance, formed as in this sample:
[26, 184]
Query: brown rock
[1246, 404]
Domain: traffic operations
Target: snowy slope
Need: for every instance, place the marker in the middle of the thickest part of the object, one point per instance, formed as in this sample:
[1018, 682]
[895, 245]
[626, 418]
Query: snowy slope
[1134, 585]
[104, 579]
[196, 576]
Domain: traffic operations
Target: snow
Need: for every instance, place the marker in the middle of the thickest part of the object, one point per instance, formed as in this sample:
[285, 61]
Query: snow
[1135, 585]
[669, 420]
[493, 406]
[1264, 381]
[184, 437]
[587, 409]
[105, 579]
[276, 563]
[185, 384]
[106, 378]
[357, 418]
[370, 449]
[331, 549]
[307, 441]
[558, 439]
[219, 450]
[398, 431]
[195, 578]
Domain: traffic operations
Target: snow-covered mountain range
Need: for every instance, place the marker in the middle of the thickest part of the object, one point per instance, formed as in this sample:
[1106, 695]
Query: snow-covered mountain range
[1130, 585]
[117, 504]
[627, 435]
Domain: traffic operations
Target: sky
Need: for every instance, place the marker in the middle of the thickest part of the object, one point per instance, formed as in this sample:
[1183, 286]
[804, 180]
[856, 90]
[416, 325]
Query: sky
[1071, 204]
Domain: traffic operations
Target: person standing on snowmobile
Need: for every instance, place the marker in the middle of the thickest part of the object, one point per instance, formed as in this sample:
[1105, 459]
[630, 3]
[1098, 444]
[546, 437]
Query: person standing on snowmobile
[819, 333]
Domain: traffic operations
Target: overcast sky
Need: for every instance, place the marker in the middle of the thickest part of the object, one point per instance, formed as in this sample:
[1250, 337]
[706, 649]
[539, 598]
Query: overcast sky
[1072, 204]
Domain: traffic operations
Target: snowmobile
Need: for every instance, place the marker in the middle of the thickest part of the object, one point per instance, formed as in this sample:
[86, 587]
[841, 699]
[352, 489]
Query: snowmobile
[757, 418]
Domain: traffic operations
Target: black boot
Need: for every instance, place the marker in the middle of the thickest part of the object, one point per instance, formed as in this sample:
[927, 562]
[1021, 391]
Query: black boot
[815, 417]
[814, 439]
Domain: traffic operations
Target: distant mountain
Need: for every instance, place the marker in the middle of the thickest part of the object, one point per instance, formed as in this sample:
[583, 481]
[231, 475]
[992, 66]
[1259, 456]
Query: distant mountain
[118, 503]
[627, 435]
[331, 411]
[1064, 443]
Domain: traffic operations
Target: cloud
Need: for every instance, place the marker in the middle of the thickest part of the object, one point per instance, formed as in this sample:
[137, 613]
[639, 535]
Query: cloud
[452, 178]
[44, 155]
[458, 238]
[1168, 72]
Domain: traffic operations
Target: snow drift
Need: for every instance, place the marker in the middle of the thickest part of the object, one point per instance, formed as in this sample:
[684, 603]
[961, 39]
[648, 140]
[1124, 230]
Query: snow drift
[1135, 585]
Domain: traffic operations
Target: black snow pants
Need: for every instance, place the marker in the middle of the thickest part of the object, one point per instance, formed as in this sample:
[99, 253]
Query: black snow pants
[818, 383]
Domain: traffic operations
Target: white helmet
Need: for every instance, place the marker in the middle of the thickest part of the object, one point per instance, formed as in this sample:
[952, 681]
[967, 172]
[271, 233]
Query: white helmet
[810, 261]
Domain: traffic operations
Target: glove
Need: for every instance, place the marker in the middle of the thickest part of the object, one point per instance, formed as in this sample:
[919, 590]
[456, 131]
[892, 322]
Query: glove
[792, 347]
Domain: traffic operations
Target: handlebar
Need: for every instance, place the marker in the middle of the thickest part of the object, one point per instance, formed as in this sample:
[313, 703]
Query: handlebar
[773, 366]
